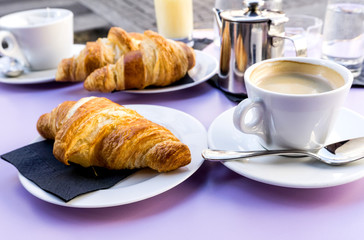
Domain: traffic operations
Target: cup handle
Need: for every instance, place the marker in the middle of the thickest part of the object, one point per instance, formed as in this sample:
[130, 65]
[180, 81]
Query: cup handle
[13, 49]
[254, 124]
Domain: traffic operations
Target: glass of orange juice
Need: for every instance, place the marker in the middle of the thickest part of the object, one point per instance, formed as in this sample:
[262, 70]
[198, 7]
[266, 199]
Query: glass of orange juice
[175, 19]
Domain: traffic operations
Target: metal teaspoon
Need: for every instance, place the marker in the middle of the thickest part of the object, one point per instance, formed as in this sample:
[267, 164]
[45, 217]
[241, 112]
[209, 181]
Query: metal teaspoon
[11, 67]
[338, 153]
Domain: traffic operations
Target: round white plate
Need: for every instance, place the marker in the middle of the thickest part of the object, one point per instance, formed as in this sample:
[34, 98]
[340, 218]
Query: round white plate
[205, 67]
[144, 183]
[287, 171]
[33, 77]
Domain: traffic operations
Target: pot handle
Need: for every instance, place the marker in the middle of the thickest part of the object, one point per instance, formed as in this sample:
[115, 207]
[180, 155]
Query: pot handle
[299, 42]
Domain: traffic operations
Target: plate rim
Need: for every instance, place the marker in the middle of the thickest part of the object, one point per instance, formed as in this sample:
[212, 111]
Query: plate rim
[183, 173]
[49, 74]
[234, 166]
[184, 86]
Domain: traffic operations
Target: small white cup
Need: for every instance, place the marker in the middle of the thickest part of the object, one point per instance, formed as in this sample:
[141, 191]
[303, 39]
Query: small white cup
[289, 120]
[39, 38]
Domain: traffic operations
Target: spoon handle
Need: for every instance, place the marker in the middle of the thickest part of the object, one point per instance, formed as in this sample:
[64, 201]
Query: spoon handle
[222, 155]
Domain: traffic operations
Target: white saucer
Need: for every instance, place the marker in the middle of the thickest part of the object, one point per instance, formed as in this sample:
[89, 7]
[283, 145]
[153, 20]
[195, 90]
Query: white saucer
[286, 171]
[144, 183]
[33, 77]
[205, 67]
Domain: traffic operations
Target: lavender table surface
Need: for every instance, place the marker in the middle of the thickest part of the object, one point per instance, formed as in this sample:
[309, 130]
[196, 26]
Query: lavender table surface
[214, 203]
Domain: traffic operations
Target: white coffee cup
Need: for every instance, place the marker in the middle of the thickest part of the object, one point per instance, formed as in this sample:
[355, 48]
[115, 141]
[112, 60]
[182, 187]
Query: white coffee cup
[283, 118]
[39, 38]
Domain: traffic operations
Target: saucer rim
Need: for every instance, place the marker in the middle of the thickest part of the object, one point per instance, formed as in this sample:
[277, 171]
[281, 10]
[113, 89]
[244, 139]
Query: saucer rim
[44, 76]
[348, 176]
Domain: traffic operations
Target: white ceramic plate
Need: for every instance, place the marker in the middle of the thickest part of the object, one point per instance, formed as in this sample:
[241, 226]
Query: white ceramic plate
[205, 68]
[286, 171]
[144, 183]
[33, 77]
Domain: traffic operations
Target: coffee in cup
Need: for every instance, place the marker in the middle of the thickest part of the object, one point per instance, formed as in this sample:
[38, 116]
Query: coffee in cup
[284, 77]
[38, 38]
[292, 102]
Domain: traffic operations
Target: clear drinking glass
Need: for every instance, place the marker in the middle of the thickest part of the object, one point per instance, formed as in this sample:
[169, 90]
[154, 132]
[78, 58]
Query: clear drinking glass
[310, 28]
[175, 19]
[343, 37]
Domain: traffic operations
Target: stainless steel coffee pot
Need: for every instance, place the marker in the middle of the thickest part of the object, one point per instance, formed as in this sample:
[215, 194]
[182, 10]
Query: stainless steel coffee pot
[249, 36]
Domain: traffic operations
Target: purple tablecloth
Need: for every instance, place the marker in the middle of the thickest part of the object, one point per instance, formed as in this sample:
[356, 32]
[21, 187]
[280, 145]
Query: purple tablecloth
[215, 203]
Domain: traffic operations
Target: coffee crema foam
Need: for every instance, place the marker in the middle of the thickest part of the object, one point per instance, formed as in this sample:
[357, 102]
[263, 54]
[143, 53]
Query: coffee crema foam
[291, 77]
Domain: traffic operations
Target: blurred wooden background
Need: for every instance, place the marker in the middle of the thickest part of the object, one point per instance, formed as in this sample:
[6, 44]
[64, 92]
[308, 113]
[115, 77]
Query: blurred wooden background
[93, 18]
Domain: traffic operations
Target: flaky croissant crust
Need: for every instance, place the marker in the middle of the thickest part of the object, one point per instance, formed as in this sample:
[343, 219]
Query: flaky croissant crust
[97, 54]
[157, 62]
[98, 132]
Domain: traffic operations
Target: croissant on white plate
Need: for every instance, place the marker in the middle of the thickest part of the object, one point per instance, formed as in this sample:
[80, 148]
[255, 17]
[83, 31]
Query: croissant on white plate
[157, 62]
[97, 54]
[98, 132]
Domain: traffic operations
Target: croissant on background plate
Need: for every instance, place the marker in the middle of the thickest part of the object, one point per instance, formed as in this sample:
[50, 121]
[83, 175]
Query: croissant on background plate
[97, 54]
[158, 62]
[98, 132]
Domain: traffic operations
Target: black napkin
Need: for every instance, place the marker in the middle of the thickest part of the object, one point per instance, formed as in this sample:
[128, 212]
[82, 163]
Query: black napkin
[231, 96]
[201, 43]
[37, 163]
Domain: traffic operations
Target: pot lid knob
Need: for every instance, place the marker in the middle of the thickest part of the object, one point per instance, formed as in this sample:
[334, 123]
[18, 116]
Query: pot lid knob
[253, 7]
